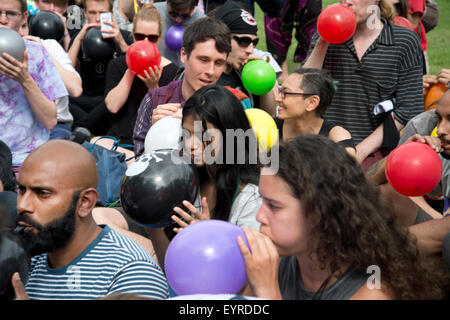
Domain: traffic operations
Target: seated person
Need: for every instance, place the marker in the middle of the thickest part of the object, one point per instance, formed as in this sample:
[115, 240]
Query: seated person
[244, 38]
[64, 239]
[58, 7]
[331, 248]
[303, 100]
[89, 110]
[124, 90]
[29, 89]
[70, 77]
[206, 44]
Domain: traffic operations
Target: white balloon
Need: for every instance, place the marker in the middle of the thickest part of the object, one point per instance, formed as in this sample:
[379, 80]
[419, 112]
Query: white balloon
[164, 134]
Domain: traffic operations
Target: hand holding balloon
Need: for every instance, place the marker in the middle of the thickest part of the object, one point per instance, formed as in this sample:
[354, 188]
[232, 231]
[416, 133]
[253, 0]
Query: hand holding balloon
[433, 142]
[336, 24]
[413, 169]
[14, 69]
[188, 219]
[261, 264]
[151, 77]
[164, 110]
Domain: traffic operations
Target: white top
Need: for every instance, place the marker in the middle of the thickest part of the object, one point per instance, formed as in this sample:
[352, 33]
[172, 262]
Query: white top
[244, 208]
[57, 52]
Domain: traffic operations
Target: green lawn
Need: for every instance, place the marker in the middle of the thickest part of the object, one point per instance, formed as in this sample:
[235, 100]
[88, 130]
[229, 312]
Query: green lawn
[437, 38]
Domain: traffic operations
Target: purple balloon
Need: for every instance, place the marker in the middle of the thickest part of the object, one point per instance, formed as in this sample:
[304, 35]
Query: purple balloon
[205, 258]
[174, 37]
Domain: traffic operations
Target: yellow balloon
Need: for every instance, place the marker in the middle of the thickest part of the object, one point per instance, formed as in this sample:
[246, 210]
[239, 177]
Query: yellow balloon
[264, 127]
[434, 132]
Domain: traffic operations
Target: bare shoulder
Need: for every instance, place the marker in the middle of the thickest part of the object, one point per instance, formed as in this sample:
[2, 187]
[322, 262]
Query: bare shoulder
[339, 133]
[365, 293]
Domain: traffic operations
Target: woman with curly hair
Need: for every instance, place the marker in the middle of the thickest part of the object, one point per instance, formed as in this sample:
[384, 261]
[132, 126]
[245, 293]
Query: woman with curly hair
[332, 230]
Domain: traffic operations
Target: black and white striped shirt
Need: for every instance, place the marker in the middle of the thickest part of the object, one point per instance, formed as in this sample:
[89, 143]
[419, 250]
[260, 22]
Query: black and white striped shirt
[392, 67]
[111, 263]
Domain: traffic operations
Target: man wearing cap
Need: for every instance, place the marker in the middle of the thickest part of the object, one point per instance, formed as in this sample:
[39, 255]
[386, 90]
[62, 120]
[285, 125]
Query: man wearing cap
[244, 38]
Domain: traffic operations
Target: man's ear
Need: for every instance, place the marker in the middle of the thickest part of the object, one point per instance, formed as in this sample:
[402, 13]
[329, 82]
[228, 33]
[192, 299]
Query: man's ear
[183, 56]
[86, 202]
[312, 103]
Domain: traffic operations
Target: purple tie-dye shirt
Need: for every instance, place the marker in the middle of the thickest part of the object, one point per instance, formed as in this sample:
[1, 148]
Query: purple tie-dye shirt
[20, 129]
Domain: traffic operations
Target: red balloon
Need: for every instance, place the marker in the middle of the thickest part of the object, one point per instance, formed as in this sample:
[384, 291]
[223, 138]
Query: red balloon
[141, 55]
[413, 169]
[336, 24]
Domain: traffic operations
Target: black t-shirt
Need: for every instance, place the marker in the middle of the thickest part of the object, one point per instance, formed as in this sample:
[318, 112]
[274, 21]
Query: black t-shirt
[93, 72]
[122, 123]
[324, 131]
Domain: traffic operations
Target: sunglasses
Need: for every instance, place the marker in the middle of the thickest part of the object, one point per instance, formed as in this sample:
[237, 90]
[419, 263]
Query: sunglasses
[245, 41]
[151, 37]
[175, 15]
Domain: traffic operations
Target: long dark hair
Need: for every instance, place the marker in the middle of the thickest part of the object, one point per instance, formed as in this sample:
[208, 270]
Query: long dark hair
[349, 221]
[219, 107]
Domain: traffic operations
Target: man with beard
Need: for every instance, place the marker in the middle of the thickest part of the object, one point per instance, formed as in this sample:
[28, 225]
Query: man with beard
[428, 224]
[74, 258]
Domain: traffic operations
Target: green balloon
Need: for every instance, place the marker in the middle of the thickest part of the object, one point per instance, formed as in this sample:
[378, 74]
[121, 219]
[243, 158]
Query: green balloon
[258, 77]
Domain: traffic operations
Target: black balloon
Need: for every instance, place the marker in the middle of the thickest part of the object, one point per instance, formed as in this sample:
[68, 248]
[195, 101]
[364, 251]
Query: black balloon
[154, 185]
[46, 25]
[14, 257]
[97, 48]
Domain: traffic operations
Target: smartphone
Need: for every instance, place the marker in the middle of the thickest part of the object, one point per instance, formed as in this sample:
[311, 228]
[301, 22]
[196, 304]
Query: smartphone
[105, 16]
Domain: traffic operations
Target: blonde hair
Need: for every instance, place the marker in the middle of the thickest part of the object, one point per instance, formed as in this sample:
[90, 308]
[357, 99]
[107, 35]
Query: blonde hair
[148, 12]
[387, 10]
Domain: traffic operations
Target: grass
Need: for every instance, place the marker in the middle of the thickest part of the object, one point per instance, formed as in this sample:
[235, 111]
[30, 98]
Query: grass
[437, 38]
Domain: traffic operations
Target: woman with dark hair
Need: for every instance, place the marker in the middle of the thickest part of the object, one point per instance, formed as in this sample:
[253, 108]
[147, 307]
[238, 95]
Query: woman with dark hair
[303, 100]
[222, 152]
[337, 238]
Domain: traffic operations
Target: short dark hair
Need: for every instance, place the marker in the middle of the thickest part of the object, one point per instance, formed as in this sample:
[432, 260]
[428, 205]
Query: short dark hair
[110, 2]
[204, 29]
[181, 5]
[23, 5]
[320, 83]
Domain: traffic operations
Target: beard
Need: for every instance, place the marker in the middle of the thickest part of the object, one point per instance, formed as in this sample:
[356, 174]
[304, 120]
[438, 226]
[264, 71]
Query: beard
[54, 235]
[444, 154]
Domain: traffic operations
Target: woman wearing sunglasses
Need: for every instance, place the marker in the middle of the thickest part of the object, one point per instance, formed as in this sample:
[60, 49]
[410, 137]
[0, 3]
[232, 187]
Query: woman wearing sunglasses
[302, 101]
[124, 90]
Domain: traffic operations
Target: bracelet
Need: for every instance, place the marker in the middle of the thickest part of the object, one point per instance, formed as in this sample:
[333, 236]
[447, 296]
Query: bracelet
[66, 34]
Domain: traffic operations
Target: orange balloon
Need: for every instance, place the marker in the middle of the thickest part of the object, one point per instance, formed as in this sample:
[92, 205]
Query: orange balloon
[434, 94]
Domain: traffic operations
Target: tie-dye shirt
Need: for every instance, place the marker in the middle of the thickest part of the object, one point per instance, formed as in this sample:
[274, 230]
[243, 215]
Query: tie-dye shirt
[20, 129]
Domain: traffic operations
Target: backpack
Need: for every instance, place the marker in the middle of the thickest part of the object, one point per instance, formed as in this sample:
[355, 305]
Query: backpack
[111, 167]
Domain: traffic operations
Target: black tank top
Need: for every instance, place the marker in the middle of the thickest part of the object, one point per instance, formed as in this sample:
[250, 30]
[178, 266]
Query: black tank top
[327, 126]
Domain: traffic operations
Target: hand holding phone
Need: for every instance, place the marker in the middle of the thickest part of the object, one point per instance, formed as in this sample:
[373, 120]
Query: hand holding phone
[105, 16]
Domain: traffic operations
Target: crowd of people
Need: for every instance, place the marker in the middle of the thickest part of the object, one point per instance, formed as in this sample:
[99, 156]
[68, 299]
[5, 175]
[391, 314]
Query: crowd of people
[317, 217]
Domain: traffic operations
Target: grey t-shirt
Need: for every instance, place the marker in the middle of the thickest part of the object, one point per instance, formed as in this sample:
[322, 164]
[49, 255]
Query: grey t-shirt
[292, 288]
[172, 55]
[423, 124]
